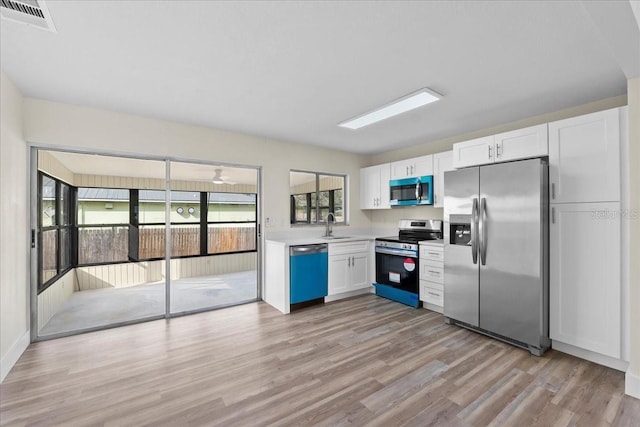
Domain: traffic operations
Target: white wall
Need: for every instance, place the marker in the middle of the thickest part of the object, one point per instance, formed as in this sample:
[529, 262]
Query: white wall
[91, 129]
[14, 236]
[633, 373]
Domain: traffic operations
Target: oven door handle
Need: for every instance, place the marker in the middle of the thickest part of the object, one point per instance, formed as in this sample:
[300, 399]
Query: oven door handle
[405, 253]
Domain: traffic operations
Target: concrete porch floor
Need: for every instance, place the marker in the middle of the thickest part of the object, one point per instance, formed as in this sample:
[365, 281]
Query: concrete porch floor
[103, 307]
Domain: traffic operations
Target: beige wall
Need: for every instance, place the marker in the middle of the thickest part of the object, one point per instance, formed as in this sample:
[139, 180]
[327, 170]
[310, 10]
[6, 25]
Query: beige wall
[90, 129]
[52, 298]
[14, 235]
[389, 218]
[633, 92]
[447, 143]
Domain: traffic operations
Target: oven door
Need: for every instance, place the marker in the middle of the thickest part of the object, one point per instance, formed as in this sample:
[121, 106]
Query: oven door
[397, 270]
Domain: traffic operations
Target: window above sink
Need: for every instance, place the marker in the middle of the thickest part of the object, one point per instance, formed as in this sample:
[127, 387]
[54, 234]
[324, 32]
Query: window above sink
[314, 194]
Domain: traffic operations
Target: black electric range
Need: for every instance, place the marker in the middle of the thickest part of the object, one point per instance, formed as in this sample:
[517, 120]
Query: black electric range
[412, 231]
[397, 264]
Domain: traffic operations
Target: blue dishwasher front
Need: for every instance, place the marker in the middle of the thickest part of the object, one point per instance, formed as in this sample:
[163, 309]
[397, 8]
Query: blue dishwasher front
[308, 272]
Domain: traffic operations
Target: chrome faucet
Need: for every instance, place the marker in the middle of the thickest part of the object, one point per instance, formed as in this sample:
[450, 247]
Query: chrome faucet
[329, 231]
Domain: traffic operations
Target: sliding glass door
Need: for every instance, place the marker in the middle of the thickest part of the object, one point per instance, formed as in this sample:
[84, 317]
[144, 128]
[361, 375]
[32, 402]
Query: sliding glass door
[214, 236]
[121, 240]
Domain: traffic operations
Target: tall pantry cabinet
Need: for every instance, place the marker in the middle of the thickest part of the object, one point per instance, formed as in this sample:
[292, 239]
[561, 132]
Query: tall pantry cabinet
[587, 304]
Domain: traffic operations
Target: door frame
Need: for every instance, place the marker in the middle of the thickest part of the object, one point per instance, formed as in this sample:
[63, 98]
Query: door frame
[32, 183]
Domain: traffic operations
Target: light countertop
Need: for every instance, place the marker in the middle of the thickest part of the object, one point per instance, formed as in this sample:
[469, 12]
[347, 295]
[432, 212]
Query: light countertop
[313, 240]
[439, 242]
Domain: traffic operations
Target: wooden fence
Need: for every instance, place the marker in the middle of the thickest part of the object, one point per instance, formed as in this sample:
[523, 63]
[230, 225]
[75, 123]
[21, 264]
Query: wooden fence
[110, 244]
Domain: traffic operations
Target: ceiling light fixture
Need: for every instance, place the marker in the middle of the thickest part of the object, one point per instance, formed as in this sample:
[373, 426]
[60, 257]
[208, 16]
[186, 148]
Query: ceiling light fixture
[406, 103]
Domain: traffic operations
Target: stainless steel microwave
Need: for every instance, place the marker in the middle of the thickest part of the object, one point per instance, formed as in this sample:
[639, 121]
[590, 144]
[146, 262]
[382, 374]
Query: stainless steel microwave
[411, 191]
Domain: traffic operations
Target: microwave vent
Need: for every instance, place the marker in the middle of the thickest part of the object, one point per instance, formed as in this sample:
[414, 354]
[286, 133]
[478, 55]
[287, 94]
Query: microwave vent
[28, 12]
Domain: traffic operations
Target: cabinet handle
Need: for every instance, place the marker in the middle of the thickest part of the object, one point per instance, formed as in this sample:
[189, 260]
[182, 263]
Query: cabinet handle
[498, 150]
[434, 253]
[435, 273]
[407, 170]
[412, 167]
[434, 294]
[553, 191]
[553, 215]
[489, 147]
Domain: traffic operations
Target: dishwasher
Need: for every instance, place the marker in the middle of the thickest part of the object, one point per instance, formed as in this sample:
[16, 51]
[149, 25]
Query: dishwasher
[308, 272]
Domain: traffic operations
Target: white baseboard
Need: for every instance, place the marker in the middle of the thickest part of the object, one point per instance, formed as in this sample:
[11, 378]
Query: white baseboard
[14, 353]
[600, 359]
[348, 294]
[632, 385]
[433, 307]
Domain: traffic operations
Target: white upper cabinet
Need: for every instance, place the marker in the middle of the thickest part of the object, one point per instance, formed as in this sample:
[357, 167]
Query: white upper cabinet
[522, 144]
[374, 187]
[475, 152]
[442, 162]
[418, 166]
[584, 158]
[503, 147]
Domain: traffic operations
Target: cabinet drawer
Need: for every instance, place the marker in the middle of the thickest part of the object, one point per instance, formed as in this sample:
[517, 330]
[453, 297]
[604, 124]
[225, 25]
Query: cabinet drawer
[432, 253]
[431, 295]
[348, 247]
[430, 272]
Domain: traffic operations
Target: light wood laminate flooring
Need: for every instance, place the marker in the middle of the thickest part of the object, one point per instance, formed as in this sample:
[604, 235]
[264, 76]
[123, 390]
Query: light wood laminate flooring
[361, 361]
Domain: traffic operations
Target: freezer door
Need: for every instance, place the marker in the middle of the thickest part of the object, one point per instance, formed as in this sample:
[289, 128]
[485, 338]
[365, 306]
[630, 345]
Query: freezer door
[513, 229]
[461, 290]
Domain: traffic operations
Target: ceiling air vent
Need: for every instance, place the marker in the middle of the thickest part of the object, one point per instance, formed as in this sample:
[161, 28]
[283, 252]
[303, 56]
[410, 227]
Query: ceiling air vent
[30, 12]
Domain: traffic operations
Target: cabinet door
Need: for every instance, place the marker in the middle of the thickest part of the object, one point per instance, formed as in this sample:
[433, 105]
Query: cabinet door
[339, 274]
[402, 169]
[584, 158]
[359, 270]
[442, 162]
[584, 300]
[522, 143]
[422, 166]
[474, 152]
[383, 189]
[368, 178]
[374, 187]
[365, 189]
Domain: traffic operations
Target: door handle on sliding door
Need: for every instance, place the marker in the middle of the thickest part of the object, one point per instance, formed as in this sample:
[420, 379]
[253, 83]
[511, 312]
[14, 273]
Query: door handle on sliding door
[474, 234]
[482, 231]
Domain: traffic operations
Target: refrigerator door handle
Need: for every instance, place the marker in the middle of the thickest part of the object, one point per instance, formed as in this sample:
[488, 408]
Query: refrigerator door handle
[474, 228]
[482, 231]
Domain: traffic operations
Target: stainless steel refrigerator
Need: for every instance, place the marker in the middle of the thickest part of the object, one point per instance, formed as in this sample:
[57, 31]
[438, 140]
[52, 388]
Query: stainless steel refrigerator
[496, 276]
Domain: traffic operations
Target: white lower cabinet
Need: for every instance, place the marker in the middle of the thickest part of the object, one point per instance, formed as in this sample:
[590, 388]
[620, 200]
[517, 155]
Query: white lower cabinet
[585, 301]
[432, 276]
[348, 267]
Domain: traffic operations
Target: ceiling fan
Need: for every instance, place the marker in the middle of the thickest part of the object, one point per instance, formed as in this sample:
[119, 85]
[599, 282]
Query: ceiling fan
[218, 178]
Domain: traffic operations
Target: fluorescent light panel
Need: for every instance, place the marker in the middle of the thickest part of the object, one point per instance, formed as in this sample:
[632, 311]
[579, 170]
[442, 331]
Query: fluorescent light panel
[402, 105]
